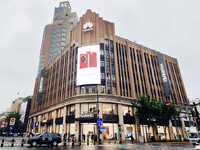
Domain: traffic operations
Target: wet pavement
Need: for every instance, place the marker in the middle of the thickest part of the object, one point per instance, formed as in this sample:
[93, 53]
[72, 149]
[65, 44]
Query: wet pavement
[161, 146]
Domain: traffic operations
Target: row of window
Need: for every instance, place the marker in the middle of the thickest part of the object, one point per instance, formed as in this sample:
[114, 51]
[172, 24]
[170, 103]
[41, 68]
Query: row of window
[89, 108]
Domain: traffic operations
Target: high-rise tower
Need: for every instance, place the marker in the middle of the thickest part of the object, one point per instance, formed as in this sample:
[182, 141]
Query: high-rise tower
[57, 34]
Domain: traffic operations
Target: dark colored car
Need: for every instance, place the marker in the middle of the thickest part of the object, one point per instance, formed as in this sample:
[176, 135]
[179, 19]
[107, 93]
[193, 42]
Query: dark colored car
[45, 138]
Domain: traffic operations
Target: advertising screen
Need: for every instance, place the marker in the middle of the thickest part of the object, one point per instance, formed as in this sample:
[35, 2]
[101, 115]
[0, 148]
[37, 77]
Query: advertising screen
[88, 67]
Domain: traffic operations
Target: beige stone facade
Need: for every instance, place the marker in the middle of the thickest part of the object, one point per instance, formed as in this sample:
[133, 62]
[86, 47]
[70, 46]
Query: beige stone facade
[128, 70]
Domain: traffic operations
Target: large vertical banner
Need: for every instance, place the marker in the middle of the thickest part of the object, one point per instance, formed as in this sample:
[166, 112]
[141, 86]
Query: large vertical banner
[165, 75]
[88, 69]
[40, 87]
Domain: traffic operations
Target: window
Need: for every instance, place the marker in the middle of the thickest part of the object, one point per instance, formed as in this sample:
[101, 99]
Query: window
[59, 30]
[103, 89]
[64, 30]
[110, 109]
[62, 43]
[106, 43]
[62, 48]
[51, 54]
[71, 110]
[82, 89]
[87, 89]
[53, 30]
[102, 75]
[57, 44]
[88, 108]
[84, 109]
[101, 52]
[64, 34]
[51, 49]
[56, 49]
[59, 9]
[102, 64]
[63, 39]
[94, 89]
[52, 40]
[53, 35]
[71, 25]
[57, 39]
[64, 26]
[127, 110]
[51, 44]
[58, 35]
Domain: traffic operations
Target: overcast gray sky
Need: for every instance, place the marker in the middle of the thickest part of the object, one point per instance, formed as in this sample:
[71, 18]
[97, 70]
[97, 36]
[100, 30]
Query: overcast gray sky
[171, 27]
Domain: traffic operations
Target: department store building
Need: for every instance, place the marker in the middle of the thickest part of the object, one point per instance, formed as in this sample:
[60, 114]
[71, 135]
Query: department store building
[97, 69]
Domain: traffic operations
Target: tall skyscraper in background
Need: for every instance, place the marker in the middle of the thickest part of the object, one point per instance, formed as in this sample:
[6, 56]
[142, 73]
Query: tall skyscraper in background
[57, 34]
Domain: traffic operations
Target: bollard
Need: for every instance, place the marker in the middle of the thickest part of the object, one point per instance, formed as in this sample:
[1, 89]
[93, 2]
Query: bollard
[2, 142]
[73, 141]
[79, 139]
[64, 141]
[22, 144]
[12, 142]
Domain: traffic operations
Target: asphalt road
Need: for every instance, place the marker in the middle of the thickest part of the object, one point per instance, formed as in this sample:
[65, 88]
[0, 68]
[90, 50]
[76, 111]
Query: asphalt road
[163, 146]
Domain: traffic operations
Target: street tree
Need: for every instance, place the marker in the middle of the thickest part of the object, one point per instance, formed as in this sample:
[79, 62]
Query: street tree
[18, 122]
[150, 111]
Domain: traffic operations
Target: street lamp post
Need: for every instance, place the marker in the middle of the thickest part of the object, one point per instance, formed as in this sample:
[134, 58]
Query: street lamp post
[99, 140]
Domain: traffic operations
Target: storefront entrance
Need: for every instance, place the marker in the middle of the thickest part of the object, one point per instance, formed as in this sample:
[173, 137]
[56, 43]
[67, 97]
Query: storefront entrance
[88, 132]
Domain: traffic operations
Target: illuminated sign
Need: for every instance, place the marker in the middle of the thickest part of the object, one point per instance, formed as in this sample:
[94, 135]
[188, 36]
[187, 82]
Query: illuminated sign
[88, 26]
[88, 70]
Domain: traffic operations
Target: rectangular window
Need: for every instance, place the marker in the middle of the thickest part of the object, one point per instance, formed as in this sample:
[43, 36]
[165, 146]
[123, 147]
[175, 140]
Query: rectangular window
[51, 44]
[64, 30]
[110, 109]
[59, 9]
[58, 35]
[82, 90]
[102, 64]
[57, 44]
[53, 35]
[59, 30]
[62, 43]
[63, 39]
[94, 89]
[57, 39]
[87, 89]
[53, 30]
[103, 89]
[71, 110]
[102, 75]
[63, 34]
[102, 52]
[84, 109]
[92, 108]
[51, 49]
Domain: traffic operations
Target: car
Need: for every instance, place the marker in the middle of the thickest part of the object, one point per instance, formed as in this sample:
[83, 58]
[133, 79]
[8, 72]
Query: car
[193, 137]
[197, 145]
[45, 138]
